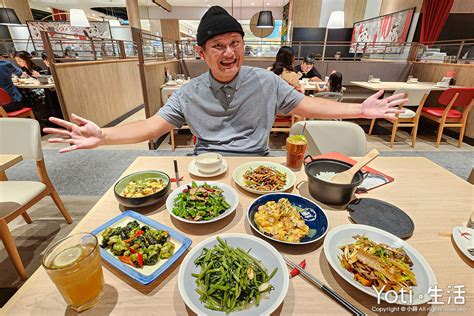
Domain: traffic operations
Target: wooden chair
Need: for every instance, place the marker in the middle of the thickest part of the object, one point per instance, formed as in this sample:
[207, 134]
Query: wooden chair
[5, 99]
[410, 118]
[461, 98]
[16, 197]
[284, 123]
[172, 140]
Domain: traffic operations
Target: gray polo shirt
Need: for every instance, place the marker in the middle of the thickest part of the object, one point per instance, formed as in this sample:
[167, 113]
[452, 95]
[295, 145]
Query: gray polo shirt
[233, 118]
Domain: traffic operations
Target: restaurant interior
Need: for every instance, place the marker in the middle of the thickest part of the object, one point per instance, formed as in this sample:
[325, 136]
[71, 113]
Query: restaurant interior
[361, 214]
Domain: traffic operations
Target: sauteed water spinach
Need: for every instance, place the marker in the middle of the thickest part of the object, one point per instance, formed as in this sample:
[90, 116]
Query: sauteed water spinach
[138, 246]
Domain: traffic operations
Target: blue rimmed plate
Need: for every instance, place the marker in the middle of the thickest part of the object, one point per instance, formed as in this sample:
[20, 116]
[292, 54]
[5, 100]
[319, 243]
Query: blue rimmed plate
[146, 274]
[311, 212]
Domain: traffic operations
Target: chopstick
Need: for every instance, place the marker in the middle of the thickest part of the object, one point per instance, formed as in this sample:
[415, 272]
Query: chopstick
[341, 300]
[176, 173]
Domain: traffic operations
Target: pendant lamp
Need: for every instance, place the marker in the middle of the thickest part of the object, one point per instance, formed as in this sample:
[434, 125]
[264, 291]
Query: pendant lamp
[265, 18]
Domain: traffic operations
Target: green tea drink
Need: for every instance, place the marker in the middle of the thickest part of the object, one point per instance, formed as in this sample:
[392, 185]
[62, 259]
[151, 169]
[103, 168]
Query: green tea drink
[295, 149]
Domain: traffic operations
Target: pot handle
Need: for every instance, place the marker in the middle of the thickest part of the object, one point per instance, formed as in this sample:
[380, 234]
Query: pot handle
[306, 158]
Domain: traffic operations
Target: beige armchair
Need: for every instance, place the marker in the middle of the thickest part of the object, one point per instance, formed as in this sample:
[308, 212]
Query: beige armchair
[21, 136]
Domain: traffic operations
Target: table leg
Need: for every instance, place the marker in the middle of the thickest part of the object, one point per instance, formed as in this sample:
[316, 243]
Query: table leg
[3, 176]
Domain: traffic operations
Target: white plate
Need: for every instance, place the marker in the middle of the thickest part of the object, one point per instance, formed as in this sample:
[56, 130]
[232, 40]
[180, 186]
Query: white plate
[194, 170]
[342, 235]
[171, 83]
[261, 250]
[464, 243]
[229, 194]
[240, 170]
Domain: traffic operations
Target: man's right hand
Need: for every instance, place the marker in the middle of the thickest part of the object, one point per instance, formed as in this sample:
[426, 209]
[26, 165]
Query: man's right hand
[84, 134]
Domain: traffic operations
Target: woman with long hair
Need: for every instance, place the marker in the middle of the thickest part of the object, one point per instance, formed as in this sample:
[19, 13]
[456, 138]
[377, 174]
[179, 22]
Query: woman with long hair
[334, 83]
[283, 67]
[23, 59]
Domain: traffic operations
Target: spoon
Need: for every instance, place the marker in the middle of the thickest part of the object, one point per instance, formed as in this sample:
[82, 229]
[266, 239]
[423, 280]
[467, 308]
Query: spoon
[346, 176]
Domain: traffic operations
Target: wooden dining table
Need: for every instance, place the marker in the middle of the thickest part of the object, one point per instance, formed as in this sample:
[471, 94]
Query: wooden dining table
[395, 85]
[35, 85]
[433, 197]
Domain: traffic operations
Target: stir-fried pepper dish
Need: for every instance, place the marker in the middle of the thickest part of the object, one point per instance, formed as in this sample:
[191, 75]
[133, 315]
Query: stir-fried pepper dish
[264, 179]
[230, 278]
[138, 246]
[200, 202]
[141, 188]
[378, 265]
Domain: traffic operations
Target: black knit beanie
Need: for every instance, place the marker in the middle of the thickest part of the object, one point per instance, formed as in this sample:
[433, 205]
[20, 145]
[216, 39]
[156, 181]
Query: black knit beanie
[216, 21]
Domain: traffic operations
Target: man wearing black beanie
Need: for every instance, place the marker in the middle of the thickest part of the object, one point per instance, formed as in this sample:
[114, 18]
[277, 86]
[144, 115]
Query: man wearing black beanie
[230, 109]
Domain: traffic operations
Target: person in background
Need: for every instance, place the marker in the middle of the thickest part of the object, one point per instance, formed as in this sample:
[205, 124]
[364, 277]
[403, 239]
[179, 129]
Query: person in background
[34, 53]
[248, 51]
[283, 67]
[337, 56]
[23, 59]
[307, 69]
[7, 69]
[334, 83]
[47, 71]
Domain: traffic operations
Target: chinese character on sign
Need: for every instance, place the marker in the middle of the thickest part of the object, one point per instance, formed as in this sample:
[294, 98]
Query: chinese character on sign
[435, 294]
[459, 298]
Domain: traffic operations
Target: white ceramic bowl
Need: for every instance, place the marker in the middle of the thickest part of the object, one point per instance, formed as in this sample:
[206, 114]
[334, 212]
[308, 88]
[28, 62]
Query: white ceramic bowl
[229, 194]
[260, 249]
[209, 162]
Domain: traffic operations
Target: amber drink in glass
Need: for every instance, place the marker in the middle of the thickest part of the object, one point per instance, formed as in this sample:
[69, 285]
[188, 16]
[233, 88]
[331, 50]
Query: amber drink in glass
[295, 149]
[74, 265]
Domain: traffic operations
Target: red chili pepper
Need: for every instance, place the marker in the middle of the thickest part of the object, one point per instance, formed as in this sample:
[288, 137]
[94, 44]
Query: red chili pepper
[138, 233]
[127, 260]
[295, 271]
[132, 250]
[140, 259]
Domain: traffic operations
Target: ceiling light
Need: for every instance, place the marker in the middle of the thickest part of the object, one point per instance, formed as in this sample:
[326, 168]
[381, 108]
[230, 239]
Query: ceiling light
[252, 3]
[78, 18]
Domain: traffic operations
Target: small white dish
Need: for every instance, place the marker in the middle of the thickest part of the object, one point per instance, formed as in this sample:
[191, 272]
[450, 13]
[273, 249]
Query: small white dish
[194, 170]
[209, 162]
[231, 196]
[171, 83]
[464, 240]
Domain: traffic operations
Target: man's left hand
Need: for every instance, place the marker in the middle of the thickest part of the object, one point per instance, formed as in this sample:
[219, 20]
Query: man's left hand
[373, 107]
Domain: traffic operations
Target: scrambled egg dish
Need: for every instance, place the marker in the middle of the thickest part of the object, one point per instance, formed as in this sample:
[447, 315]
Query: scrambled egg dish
[281, 221]
[140, 188]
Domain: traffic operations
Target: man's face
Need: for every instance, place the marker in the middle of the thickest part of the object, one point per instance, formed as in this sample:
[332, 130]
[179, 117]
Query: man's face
[224, 54]
[306, 67]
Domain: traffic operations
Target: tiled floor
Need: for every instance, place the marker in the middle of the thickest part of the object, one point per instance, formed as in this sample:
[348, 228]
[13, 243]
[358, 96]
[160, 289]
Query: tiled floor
[277, 142]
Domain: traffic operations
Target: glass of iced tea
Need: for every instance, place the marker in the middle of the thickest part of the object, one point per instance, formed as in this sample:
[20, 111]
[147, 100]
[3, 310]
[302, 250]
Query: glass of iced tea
[74, 265]
[295, 149]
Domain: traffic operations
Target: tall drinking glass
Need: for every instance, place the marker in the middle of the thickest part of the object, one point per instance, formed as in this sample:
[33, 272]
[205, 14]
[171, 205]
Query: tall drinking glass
[295, 149]
[74, 265]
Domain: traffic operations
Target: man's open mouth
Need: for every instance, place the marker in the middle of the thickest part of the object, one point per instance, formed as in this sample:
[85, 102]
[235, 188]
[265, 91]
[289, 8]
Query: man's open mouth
[229, 63]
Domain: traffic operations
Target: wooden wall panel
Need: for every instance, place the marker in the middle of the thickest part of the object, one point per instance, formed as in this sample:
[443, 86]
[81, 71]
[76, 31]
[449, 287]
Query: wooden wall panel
[354, 11]
[101, 91]
[155, 77]
[306, 13]
[21, 7]
[170, 29]
[432, 72]
[462, 6]
[390, 6]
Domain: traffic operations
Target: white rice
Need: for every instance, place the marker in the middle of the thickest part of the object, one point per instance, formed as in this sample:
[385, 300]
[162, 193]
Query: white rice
[325, 175]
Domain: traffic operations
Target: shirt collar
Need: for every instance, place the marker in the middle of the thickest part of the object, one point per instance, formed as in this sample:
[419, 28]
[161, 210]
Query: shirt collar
[216, 85]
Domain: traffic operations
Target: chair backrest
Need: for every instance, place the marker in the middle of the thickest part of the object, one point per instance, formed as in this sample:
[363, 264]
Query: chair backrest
[336, 96]
[464, 98]
[414, 95]
[4, 97]
[332, 136]
[21, 136]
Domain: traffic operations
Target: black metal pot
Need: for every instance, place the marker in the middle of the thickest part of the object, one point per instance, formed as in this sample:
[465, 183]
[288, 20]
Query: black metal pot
[328, 192]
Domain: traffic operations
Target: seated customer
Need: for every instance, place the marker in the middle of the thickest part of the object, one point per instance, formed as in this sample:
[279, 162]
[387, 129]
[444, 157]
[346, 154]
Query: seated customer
[307, 69]
[47, 71]
[7, 69]
[23, 59]
[283, 67]
[334, 83]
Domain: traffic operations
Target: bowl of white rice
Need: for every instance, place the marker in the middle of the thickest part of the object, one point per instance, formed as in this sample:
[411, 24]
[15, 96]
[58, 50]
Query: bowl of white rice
[320, 173]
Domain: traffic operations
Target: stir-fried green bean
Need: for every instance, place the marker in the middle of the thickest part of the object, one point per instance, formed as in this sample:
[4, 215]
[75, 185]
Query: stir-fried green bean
[230, 278]
[200, 202]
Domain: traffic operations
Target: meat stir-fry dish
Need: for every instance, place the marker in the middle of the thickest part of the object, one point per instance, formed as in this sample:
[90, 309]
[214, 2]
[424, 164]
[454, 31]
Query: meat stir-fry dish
[264, 179]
